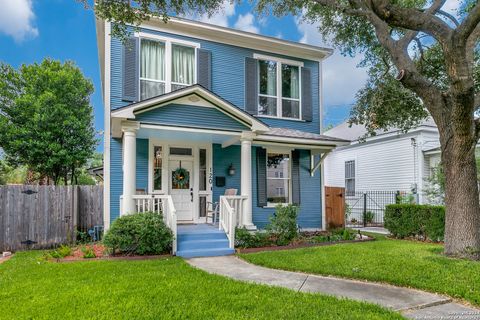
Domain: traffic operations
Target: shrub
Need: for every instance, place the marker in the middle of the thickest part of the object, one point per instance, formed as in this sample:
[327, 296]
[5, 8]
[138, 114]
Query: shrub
[61, 252]
[247, 239]
[406, 220]
[139, 233]
[283, 224]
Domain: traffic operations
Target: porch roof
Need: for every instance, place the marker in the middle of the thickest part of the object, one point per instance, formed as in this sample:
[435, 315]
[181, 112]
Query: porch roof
[195, 95]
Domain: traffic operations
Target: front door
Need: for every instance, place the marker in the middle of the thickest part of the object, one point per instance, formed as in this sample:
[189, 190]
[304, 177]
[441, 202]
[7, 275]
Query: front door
[181, 188]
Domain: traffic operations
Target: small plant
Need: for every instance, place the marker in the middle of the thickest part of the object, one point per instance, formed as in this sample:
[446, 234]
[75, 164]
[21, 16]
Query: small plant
[348, 211]
[88, 252]
[247, 239]
[61, 252]
[82, 237]
[369, 216]
[353, 221]
[283, 224]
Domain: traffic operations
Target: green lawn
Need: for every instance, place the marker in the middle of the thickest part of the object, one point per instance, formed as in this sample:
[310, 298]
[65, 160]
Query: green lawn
[154, 289]
[399, 262]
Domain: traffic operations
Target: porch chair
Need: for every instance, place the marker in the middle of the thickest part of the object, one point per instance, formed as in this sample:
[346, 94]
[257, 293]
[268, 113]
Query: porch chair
[213, 208]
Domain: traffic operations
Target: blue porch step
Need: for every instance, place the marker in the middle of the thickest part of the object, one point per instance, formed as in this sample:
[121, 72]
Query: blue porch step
[201, 240]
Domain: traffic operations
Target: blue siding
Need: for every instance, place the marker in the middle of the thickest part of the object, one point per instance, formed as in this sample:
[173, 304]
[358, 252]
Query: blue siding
[310, 215]
[116, 177]
[142, 164]
[222, 158]
[228, 64]
[192, 116]
[116, 172]
[228, 82]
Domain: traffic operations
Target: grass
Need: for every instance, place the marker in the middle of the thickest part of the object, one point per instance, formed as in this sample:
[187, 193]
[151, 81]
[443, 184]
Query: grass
[399, 262]
[154, 289]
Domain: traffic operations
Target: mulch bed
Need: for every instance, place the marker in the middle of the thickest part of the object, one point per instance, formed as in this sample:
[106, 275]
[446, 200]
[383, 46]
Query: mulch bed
[299, 245]
[100, 254]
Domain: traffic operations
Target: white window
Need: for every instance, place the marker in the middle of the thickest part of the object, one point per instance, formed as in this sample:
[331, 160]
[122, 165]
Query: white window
[278, 178]
[350, 178]
[278, 89]
[165, 67]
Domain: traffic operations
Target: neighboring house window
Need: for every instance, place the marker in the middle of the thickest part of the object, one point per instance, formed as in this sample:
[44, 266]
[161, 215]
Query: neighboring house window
[157, 168]
[279, 89]
[350, 178]
[164, 67]
[278, 178]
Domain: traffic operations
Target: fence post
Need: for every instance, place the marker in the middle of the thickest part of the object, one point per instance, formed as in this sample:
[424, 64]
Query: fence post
[364, 209]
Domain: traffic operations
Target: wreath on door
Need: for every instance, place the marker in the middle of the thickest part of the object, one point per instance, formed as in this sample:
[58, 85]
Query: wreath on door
[181, 177]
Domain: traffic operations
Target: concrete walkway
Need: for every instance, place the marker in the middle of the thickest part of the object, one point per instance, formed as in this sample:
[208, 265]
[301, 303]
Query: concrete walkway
[411, 303]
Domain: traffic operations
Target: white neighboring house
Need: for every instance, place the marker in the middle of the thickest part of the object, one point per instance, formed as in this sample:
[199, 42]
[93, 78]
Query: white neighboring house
[390, 161]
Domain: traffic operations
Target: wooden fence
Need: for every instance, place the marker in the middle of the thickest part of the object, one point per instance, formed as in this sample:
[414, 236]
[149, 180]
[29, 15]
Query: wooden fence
[34, 217]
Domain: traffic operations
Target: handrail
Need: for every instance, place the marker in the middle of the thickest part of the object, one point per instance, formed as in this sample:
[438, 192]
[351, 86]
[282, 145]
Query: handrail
[227, 220]
[237, 203]
[158, 203]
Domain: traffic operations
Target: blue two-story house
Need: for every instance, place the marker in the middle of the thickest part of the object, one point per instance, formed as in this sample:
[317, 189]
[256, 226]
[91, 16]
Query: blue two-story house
[193, 110]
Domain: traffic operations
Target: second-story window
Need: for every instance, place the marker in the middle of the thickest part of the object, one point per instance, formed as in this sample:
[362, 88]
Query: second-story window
[279, 89]
[152, 68]
[165, 67]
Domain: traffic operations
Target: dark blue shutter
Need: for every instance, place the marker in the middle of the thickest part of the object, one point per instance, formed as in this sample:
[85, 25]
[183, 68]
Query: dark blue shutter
[130, 70]
[261, 177]
[204, 68]
[307, 94]
[251, 85]
[296, 177]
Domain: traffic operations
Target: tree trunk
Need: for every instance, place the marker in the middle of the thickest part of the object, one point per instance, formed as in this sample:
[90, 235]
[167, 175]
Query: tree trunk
[462, 220]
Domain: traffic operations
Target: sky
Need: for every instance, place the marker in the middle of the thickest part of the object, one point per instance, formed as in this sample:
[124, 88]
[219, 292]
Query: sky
[31, 30]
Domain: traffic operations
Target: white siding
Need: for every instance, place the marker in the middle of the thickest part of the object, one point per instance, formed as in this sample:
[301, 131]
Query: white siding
[385, 165]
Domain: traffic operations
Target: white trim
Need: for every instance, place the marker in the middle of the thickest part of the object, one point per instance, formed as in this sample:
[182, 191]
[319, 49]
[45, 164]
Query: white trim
[106, 132]
[289, 178]
[320, 94]
[195, 158]
[205, 31]
[280, 118]
[307, 142]
[279, 79]
[296, 63]
[185, 129]
[168, 45]
[157, 37]
[222, 105]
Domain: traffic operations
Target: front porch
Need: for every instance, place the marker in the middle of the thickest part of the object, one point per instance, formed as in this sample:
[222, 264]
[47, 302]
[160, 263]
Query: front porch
[179, 153]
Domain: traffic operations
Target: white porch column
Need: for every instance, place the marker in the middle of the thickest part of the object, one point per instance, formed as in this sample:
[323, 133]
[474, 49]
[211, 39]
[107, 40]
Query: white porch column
[129, 130]
[246, 178]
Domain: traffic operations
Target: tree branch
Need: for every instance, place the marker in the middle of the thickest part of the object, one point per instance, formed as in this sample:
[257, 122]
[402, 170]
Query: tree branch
[469, 25]
[449, 16]
[413, 19]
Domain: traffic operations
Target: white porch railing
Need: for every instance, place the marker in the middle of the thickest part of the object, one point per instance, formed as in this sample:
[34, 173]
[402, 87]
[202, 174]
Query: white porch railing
[160, 204]
[227, 220]
[237, 203]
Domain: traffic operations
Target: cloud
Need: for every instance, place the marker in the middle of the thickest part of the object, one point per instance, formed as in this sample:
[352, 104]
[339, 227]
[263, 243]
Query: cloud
[341, 76]
[220, 18]
[246, 23]
[16, 19]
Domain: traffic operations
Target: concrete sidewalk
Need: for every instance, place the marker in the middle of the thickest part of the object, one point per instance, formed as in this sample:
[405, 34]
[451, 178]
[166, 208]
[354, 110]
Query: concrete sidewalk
[411, 303]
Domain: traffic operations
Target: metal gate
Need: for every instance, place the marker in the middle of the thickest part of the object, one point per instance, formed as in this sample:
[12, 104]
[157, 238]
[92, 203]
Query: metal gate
[367, 208]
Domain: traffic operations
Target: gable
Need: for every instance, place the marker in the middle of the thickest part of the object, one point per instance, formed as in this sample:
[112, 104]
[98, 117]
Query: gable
[190, 116]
